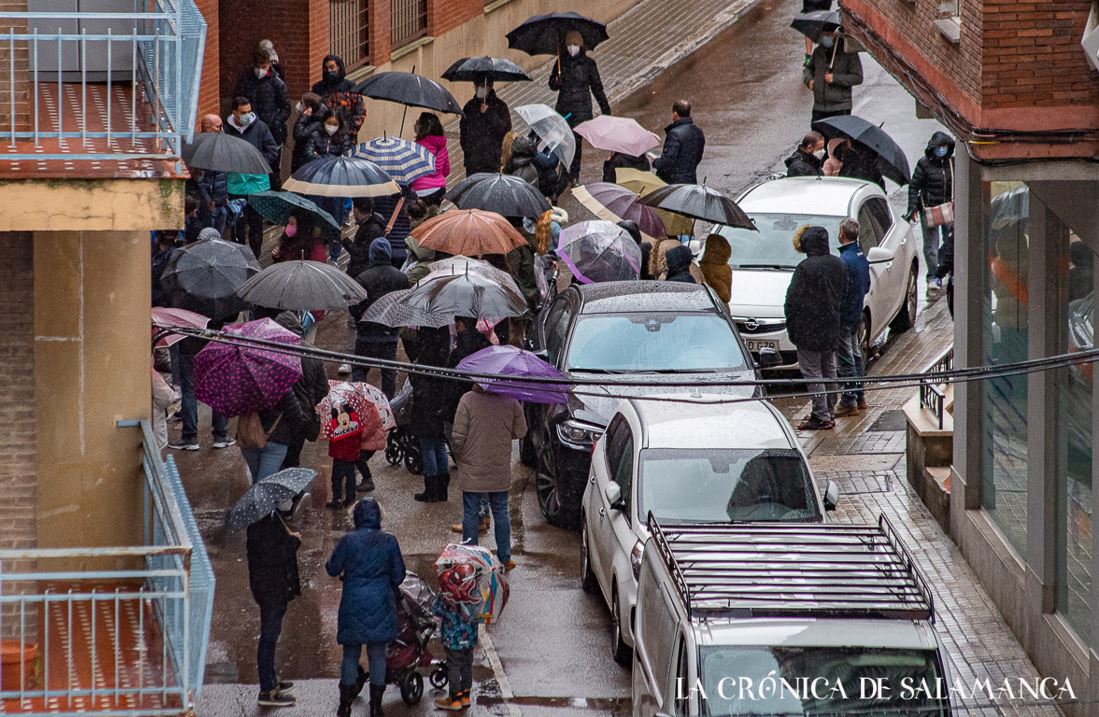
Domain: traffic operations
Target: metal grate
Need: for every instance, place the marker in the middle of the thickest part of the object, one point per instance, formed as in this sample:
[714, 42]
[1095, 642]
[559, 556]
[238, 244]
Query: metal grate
[409, 21]
[350, 31]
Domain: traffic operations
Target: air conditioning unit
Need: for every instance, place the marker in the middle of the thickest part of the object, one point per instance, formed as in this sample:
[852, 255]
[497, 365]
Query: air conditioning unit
[1090, 41]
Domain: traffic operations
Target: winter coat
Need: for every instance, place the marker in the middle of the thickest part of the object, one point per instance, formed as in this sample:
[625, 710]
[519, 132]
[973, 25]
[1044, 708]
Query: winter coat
[457, 624]
[368, 561]
[521, 162]
[576, 80]
[257, 134]
[623, 161]
[270, 101]
[860, 163]
[338, 95]
[429, 393]
[291, 415]
[304, 128]
[321, 144]
[379, 279]
[679, 265]
[715, 267]
[846, 69]
[484, 427]
[437, 146]
[482, 134]
[213, 187]
[933, 179]
[465, 344]
[858, 285]
[658, 262]
[343, 445]
[814, 299]
[375, 434]
[521, 267]
[402, 226]
[683, 147]
[802, 164]
[272, 562]
[423, 258]
[358, 248]
[312, 387]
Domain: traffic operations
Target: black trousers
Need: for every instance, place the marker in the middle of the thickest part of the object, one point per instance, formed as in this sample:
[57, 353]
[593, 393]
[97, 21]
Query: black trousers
[386, 350]
[822, 114]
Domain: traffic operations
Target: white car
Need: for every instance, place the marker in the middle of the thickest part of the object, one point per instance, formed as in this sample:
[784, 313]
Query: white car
[693, 461]
[763, 262]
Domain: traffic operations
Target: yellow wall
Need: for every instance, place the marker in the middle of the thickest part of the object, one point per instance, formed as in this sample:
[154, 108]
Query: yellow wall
[90, 205]
[93, 367]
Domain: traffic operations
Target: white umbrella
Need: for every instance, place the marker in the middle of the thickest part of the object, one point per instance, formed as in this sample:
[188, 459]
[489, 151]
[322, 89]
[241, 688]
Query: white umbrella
[552, 129]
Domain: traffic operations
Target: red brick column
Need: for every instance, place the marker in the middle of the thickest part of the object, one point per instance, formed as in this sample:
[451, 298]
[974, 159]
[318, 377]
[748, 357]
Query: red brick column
[20, 59]
[381, 39]
[209, 90]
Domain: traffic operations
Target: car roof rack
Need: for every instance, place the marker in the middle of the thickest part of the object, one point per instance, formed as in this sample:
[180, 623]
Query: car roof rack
[823, 570]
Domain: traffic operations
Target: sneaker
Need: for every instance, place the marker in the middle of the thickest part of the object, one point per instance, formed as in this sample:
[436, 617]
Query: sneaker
[510, 565]
[863, 405]
[285, 685]
[367, 486]
[815, 424]
[464, 694]
[276, 698]
[449, 704]
[183, 446]
[344, 368]
[224, 442]
[845, 409]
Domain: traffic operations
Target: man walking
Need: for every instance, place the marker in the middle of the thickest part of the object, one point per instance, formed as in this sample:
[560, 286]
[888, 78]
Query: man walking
[484, 427]
[683, 147]
[813, 304]
[376, 340]
[273, 578]
[932, 185]
[830, 73]
[486, 119]
[849, 359]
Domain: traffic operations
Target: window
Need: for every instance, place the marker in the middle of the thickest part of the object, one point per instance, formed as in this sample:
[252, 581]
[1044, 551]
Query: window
[661, 342]
[681, 684]
[623, 473]
[949, 23]
[349, 31]
[555, 329]
[409, 21]
[616, 430]
[879, 210]
[950, 8]
[870, 233]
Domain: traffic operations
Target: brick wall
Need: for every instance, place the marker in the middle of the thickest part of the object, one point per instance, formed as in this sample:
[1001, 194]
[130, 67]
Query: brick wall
[445, 15]
[381, 34]
[209, 92]
[20, 58]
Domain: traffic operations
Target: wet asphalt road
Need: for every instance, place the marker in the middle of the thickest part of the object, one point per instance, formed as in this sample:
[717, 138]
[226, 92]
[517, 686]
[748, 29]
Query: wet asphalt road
[553, 645]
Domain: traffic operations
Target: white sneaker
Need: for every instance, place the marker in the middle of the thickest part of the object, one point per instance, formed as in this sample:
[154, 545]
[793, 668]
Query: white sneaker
[225, 442]
[344, 368]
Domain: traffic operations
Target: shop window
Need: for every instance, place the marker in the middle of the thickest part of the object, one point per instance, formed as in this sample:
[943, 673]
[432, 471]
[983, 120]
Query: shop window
[349, 35]
[409, 21]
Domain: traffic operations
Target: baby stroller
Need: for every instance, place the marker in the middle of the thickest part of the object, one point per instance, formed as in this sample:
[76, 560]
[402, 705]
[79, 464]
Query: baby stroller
[409, 652]
[401, 445]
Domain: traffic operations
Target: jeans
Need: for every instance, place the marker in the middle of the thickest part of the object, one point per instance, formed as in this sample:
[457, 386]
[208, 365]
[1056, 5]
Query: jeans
[375, 662]
[270, 627]
[343, 480]
[189, 407]
[386, 350]
[820, 364]
[850, 363]
[433, 451]
[932, 238]
[501, 521]
[459, 669]
[265, 461]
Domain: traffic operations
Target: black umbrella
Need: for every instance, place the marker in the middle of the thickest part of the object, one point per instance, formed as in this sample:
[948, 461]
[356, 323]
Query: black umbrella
[470, 294]
[295, 479]
[812, 24]
[220, 152]
[204, 277]
[409, 89]
[342, 177]
[891, 161]
[699, 202]
[545, 34]
[259, 501]
[302, 285]
[501, 193]
[477, 69]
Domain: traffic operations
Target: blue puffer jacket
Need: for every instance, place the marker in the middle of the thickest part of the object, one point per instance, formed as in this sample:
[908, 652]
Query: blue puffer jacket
[858, 284]
[369, 563]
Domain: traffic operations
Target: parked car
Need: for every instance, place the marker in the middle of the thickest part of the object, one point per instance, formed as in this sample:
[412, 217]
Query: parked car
[764, 261]
[685, 462]
[648, 332]
[723, 608]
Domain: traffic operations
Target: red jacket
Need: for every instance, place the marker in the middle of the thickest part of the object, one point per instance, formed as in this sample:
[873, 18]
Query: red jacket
[344, 443]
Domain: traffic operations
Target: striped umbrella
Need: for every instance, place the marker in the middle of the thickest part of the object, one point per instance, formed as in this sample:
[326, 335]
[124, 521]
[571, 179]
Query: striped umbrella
[403, 160]
[341, 177]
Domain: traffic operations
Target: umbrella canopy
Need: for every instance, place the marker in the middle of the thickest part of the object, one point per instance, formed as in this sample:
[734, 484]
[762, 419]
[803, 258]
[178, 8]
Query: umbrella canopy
[501, 193]
[204, 277]
[514, 361]
[342, 177]
[812, 24]
[235, 379]
[295, 479]
[599, 251]
[220, 152]
[643, 183]
[471, 294]
[1010, 207]
[699, 202]
[545, 34]
[302, 285]
[614, 203]
[164, 317]
[552, 129]
[468, 232]
[464, 264]
[391, 310]
[410, 89]
[403, 160]
[362, 397]
[259, 501]
[477, 69]
[891, 160]
[618, 134]
[276, 207]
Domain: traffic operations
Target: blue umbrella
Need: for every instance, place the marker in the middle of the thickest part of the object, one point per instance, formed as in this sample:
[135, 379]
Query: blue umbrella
[342, 177]
[276, 207]
[403, 160]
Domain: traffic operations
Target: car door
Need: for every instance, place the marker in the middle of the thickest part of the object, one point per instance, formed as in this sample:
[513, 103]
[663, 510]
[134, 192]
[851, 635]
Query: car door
[894, 238]
[870, 236]
[550, 336]
[618, 436]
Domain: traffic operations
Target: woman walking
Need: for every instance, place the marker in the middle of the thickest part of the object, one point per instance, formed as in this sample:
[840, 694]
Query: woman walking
[575, 77]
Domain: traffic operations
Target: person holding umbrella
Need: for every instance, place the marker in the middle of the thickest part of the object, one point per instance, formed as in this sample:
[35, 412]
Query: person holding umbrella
[376, 340]
[813, 6]
[429, 134]
[485, 122]
[272, 550]
[575, 77]
[212, 185]
[830, 73]
[243, 123]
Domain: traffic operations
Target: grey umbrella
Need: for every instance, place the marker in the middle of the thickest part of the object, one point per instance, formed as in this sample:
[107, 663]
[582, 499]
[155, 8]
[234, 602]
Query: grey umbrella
[890, 158]
[599, 251]
[469, 294]
[504, 194]
[302, 286]
[204, 276]
[258, 502]
[699, 202]
[221, 152]
[295, 479]
[390, 310]
[462, 264]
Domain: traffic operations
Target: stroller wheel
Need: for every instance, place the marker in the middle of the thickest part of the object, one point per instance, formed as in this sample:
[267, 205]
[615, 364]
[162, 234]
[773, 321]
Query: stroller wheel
[412, 687]
[438, 677]
[392, 449]
[413, 460]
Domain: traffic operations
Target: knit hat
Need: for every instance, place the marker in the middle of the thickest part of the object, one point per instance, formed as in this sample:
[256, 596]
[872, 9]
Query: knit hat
[380, 250]
[209, 233]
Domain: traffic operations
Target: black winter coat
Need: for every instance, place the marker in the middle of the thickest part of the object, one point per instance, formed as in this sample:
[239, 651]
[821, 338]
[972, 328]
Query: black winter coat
[304, 128]
[379, 279]
[683, 147]
[623, 161]
[213, 187]
[576, 80]
[258, 134]
[320, 144]
[846, 69]
[467, 343]
[482, 134]
[933, 179]
[815, 297]
[270, 101]
[291, 415]
[430, 394]
[338, 96]
[861, 163]
[272, 562]
[358, 248]
[802, 164]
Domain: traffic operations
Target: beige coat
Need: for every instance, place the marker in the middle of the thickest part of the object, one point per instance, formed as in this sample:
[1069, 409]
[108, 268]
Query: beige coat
[484, 427]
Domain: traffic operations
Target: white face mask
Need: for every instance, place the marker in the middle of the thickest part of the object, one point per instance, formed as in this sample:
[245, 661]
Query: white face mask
[574, 50]
[331, 129]
[260, 72]
[245, 119]
[819, 154]
[297, 108]
[827, 41]
[482, 92]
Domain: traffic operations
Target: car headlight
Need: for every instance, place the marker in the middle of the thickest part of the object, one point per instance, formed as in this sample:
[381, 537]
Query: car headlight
[575, 434]
[635, 559]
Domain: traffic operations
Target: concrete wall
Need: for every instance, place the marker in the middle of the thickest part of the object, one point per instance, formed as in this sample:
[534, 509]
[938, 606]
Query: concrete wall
[91, 205]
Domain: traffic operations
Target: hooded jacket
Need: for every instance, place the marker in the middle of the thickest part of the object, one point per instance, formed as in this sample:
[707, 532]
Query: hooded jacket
[679, 265]
[715, 267]
[576, 80]
[521, 162]
[933, 179]
[858, 285]
[802, 164]
[368, 561]
[814, 300]
[270, 101]
[358, 248]
[379, 279]
[684, 144]
[846, 69]
[338, 95]
[482, 133]
[305, 126]
[484, 427]
[272, 562]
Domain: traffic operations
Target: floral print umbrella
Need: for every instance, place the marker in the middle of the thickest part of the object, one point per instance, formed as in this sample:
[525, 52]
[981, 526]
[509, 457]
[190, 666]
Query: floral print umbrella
[235, 379]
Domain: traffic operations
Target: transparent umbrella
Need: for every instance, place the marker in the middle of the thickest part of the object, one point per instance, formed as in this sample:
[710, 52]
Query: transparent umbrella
[552, 129]
[598, 251]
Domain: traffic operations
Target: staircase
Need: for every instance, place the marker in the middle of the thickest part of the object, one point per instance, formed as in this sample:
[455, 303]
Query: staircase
[930, 440]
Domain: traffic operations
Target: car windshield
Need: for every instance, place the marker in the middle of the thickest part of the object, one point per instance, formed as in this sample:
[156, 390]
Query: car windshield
[724, 669]
[772, 247]
[725, 485]
[654, 343]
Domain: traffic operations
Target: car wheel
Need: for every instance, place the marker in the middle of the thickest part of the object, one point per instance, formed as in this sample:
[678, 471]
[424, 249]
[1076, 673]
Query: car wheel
[864, 338]
[622, 651]
[906, 319]
[554, 499]
[587, 578]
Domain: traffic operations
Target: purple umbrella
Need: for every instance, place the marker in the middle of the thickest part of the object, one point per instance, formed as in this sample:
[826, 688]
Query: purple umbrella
[234, 379]
[598, 251]
[615, 203]
[514, 361]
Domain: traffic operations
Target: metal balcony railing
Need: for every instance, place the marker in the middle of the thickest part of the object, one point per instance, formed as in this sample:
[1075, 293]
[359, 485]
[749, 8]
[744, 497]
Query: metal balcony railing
[933, 395]
[100, 86]
[118, 630]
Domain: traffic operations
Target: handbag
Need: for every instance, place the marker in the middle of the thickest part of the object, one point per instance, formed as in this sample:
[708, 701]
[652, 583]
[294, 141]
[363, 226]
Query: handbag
[941, 214]
[250, 433]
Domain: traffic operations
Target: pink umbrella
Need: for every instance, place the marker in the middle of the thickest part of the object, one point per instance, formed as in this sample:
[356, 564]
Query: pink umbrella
[360, 396]
[617, 134]
[170, 318]
[235, 379]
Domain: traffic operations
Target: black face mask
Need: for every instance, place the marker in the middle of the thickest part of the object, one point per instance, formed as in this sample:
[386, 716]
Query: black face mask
[329, 75]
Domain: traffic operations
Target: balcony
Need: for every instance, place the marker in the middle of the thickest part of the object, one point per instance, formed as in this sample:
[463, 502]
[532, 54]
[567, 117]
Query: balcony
[98, 94]
[120, 630]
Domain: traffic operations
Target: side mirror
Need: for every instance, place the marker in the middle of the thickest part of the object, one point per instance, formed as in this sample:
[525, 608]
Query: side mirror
[880, 255]
[831, 495]
[613, 493]
[769, 358]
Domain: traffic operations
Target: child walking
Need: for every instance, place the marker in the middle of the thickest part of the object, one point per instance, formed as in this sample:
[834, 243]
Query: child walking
[458, 633]
[343, 448]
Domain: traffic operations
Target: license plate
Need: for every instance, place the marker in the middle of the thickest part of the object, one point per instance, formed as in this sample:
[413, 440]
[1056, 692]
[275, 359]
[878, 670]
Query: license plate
[754, 345]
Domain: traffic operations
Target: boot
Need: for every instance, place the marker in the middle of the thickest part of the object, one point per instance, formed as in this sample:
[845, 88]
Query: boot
[376, 692]
[360, 683]
[347, 696]
[428, 496]
[444, 481]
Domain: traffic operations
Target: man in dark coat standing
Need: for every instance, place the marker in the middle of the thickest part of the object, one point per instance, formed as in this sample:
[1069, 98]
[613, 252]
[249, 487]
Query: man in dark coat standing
[311, 389]
[271, 102]
[486, 119]
[376, 340]
[335, 91]
[806, 159]
[683, 147]
[575, 77]
[273, 578]
[244, 124]
[830, 73]
[932, 184]
[850, 363]
[813, 307]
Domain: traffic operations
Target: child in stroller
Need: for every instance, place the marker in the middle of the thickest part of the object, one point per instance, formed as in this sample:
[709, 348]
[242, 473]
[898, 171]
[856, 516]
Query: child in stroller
[401, 445]
[409, 652]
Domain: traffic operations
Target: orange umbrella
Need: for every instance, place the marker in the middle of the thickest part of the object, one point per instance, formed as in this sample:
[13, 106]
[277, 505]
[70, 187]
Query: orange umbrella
[468, 232]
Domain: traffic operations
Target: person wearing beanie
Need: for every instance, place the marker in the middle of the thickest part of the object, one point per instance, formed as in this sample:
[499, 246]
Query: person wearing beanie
[376, 340]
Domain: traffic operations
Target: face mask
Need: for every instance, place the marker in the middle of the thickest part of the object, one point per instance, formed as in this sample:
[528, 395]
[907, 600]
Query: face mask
[827, 41]
[941, 152]
[246, 119]
[291, 230]
[574, 50]
[330, 75]
[819, 154]
[482, 92]
[260, 72]
[297, 107]
[331, 129]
